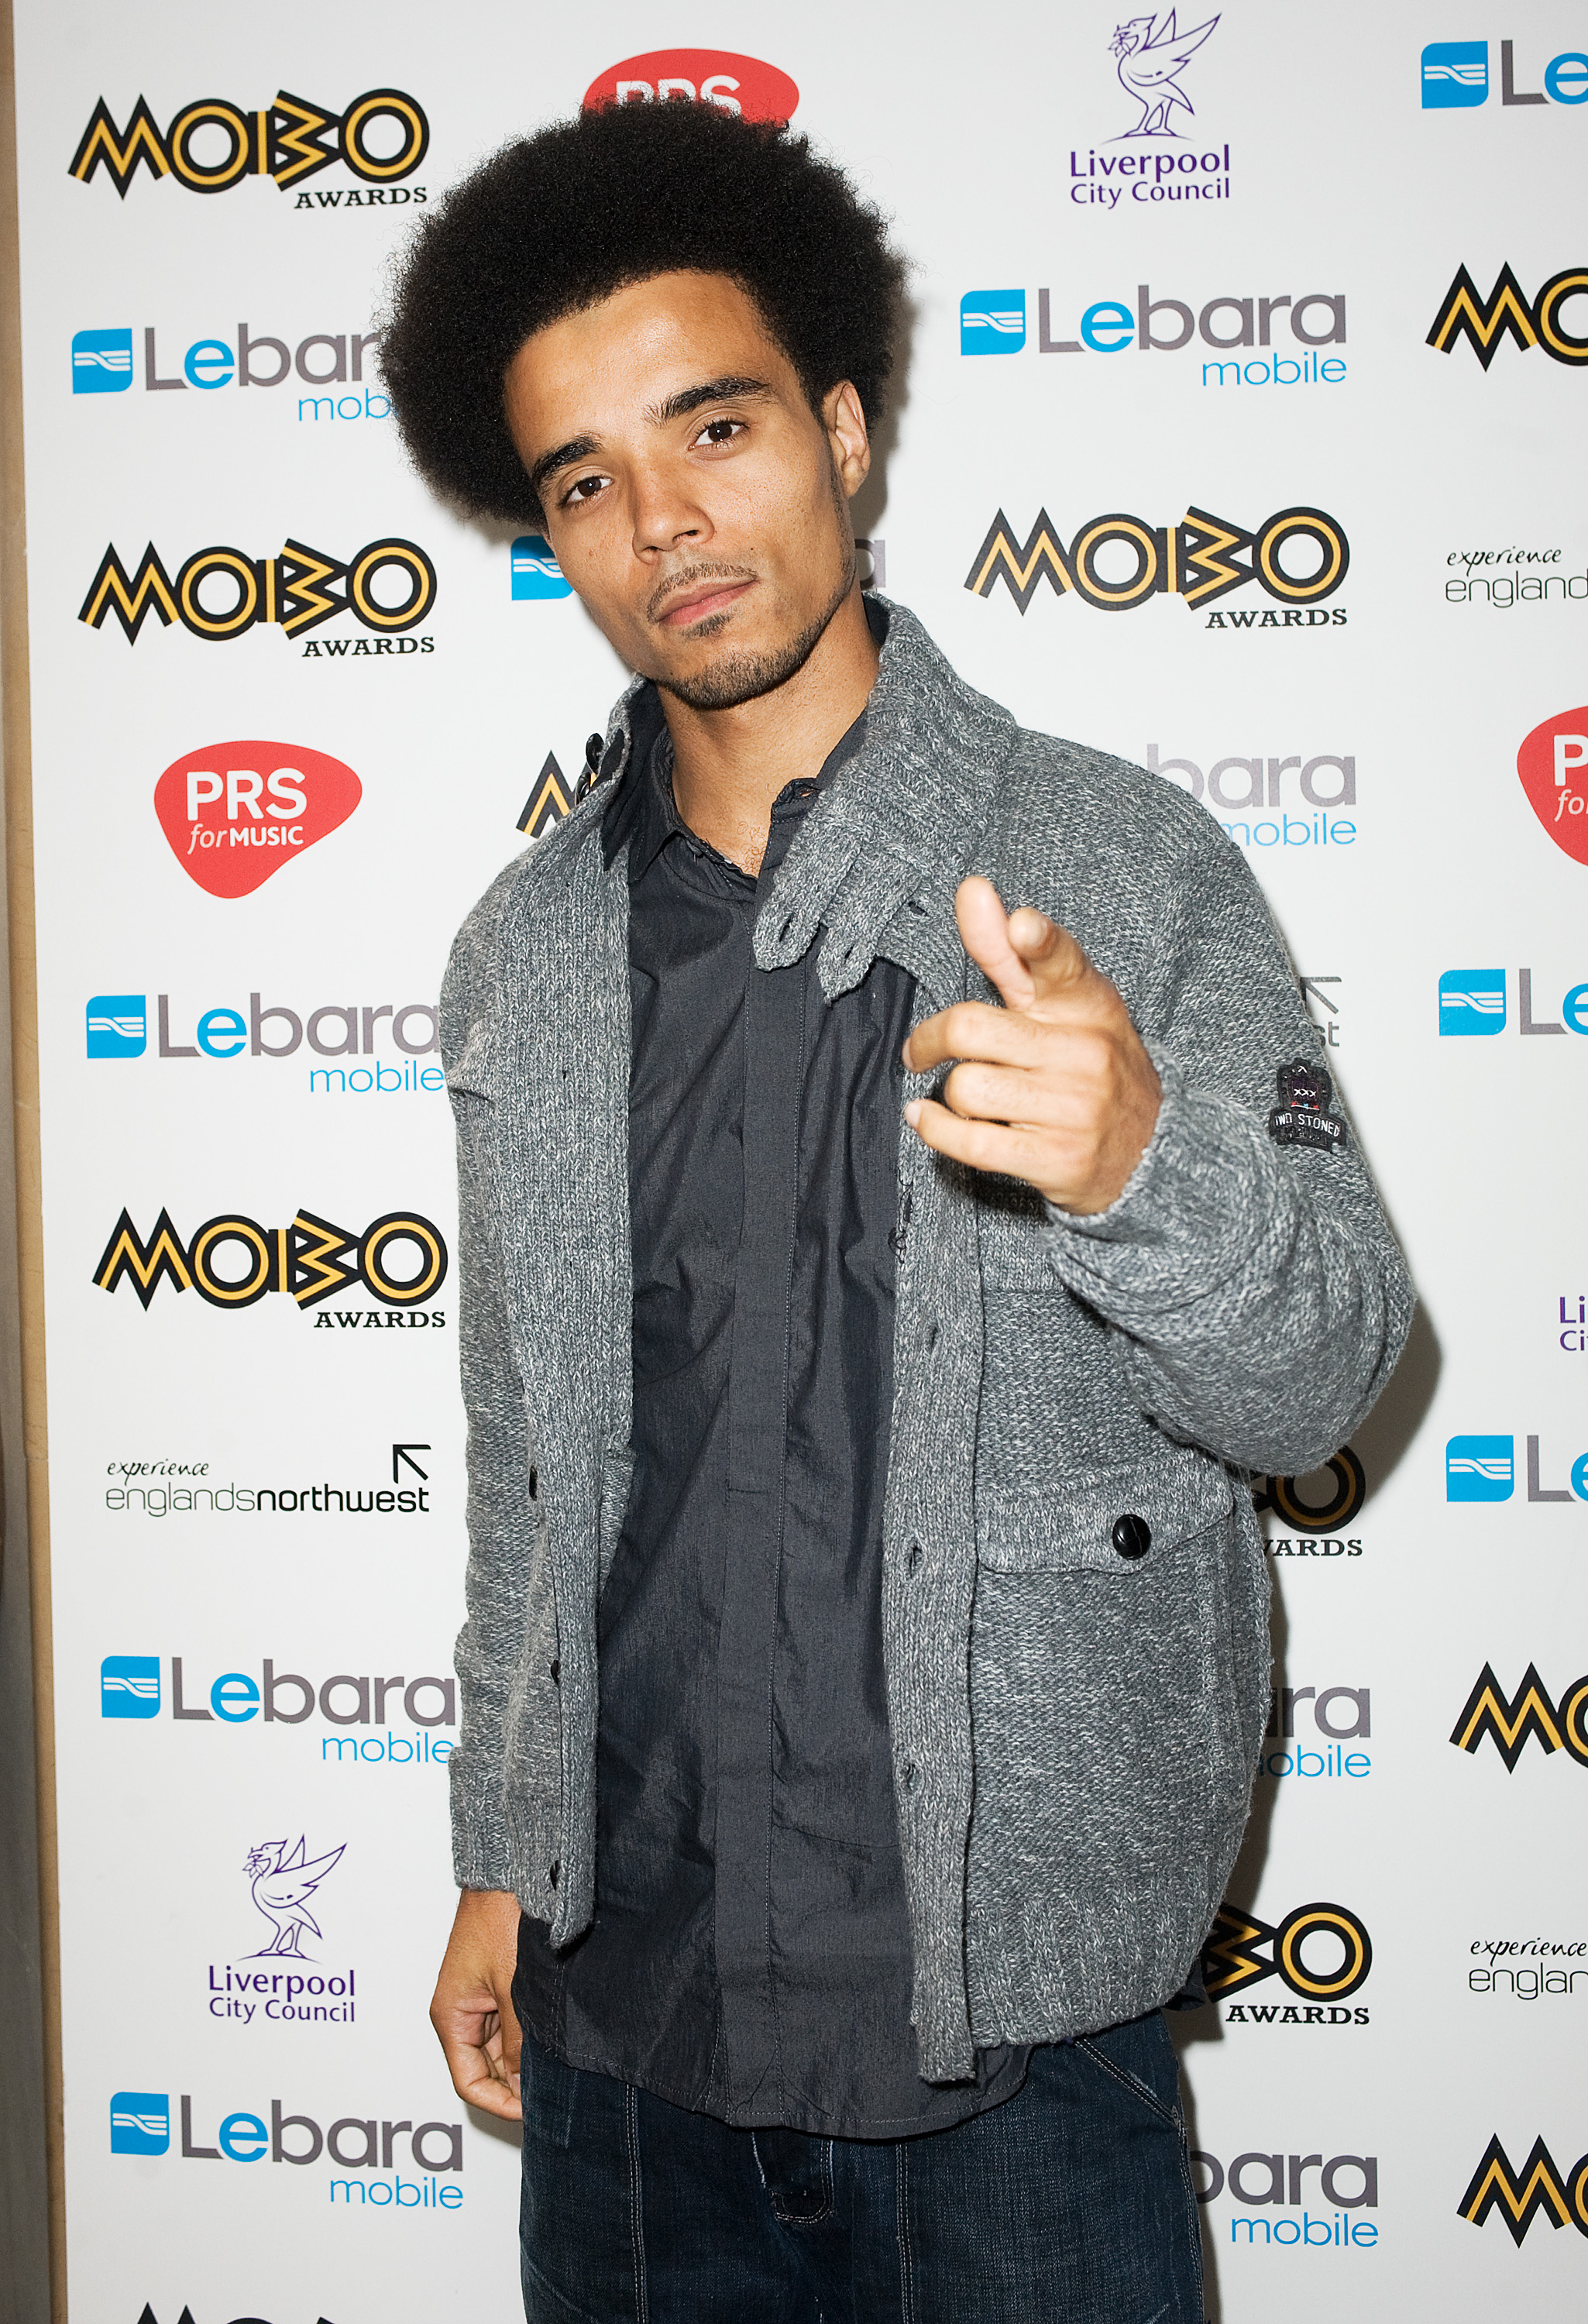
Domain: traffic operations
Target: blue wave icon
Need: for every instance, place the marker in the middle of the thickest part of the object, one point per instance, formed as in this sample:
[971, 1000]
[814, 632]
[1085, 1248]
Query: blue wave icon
[1472, 1000]
[992, 322]
[1479, 1467]
[1454, 73]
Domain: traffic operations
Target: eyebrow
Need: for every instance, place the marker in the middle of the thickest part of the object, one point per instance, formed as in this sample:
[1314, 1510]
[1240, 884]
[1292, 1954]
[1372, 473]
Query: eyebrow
[675, 407]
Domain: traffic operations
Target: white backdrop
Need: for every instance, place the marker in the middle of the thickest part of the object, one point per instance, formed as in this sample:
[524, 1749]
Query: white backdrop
[257, 1504]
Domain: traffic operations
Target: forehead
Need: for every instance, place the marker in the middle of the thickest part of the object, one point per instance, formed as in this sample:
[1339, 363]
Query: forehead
[624, 355]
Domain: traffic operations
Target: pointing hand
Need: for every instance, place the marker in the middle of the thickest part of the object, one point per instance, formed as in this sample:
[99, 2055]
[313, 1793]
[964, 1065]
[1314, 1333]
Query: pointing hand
[1055, 1087]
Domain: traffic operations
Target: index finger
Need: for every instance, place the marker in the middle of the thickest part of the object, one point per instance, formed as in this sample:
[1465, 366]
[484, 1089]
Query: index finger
[1028, 957]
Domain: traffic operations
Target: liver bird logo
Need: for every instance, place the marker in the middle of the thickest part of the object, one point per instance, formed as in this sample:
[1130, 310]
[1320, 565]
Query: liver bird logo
[281, 1883]
[1152, 55]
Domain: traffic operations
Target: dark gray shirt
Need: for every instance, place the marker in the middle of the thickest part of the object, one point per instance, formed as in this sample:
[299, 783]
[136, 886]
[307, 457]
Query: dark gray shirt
[749, 1955]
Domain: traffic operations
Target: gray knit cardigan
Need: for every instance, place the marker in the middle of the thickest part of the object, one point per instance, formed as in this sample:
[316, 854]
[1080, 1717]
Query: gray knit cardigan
[1075, 1731]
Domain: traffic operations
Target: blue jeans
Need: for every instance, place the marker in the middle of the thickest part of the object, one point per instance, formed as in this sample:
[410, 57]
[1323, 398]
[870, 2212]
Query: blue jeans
[1071, 2203]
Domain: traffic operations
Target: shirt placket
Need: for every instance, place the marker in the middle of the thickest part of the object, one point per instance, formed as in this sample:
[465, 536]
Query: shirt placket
[757, 1426]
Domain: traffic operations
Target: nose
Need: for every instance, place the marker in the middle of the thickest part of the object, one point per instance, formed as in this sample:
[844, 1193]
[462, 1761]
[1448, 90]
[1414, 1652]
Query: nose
[667, 515]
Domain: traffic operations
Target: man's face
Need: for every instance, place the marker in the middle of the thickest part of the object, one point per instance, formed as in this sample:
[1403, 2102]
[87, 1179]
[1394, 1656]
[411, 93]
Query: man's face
[695, 501]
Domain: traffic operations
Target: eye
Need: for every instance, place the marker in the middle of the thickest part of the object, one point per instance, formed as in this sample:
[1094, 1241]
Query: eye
[720, 431]
[578, 496]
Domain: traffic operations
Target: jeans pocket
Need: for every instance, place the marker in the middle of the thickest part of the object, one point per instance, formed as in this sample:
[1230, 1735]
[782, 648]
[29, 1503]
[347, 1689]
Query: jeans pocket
[1135, 2056]
[550, 2090]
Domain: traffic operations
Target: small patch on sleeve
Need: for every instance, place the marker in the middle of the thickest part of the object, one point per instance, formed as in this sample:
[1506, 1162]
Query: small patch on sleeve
[1302, 1117]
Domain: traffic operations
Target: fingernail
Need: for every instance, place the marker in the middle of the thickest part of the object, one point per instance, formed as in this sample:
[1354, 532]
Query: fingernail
[912, 1112]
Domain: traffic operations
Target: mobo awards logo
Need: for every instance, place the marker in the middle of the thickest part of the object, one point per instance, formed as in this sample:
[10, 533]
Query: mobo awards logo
[296, 591]
[382, 138]
[1116, 563]
[235, 812]
[1234, 1958]
[1520, 2196]
[1510, 1723]
[1507, 313]
[310, 1260]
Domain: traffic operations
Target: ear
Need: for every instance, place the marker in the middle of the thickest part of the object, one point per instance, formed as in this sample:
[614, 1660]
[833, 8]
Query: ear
[845, 422]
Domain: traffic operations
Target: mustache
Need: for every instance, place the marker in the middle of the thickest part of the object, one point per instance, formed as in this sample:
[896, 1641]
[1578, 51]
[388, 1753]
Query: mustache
[687, 577]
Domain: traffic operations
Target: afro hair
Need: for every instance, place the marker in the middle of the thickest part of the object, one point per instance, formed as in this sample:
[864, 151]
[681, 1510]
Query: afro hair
[558, 221]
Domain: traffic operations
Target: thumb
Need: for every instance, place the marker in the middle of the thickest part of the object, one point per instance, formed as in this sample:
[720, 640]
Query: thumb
[1027, 956]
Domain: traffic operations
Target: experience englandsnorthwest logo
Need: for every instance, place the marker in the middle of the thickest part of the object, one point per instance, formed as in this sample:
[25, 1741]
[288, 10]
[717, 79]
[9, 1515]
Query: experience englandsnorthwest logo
[1537, 2190]
[1472, 1005]
[720, 77]
[117, 1029]
[1531, 1715]
[102, 364]
[141, 2124]
[994, 323]
[232, 1261]
[1117, 563]
[1484, 1468]
[210, 146]
[1338, 1717]
[165, 1488]
[1321, 1953]
[220, 592]
[1530, 1969]
[1268, 2179]
[233, 813]
[1507, 313]
[1456, 77]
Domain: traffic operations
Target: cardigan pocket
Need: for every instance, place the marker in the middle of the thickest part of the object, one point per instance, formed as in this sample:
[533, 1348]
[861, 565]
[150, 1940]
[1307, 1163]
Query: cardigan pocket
[1121, 1520]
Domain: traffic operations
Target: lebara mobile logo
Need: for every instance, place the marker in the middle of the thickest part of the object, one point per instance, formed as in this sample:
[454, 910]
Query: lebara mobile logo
[716, 77]
[235, 812]
[101, 363]
[1479, 1467]
[1553, 763]
[1117, 563]
[1454, 73]
[1510, 1723]
[140, 2122]
[220, 592]
[1520, 2196]
[992, 322]
[1472, 1001]
[382, 138]
[118, 1025]
[536, 573]
[1507, 313]
[129, 1686]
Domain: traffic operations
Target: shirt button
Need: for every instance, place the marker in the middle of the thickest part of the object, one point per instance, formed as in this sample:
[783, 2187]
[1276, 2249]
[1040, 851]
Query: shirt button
[912, 1556]
[553, 1874]
[555, 1672]
[1132, 1536]
[534, 1482]
[909, 1773]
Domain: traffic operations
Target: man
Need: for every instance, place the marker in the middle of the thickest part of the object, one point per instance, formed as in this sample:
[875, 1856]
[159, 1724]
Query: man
[871, 1299]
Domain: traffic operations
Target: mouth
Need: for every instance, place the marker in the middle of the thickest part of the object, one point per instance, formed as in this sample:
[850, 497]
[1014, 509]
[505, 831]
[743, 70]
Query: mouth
[700, 603]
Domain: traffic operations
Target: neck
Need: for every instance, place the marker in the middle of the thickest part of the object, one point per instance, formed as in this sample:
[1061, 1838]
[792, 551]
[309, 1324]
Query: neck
[730, 765]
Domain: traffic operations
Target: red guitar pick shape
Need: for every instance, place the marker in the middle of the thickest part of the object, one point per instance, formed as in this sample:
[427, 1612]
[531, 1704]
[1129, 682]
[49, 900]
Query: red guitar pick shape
[1553, 763]
[237, 812]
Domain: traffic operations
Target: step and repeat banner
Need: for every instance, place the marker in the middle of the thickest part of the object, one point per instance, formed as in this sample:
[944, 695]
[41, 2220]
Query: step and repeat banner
[1239, 438]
